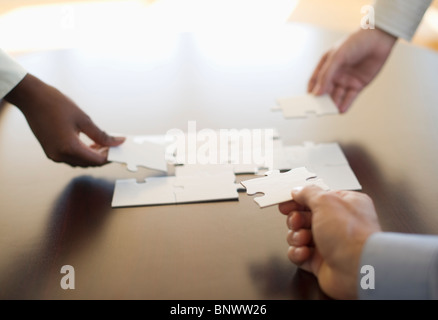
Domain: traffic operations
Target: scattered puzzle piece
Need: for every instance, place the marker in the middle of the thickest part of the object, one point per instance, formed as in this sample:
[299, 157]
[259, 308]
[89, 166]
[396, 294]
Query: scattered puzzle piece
[277, 187]
[137, 151]
[303, 106]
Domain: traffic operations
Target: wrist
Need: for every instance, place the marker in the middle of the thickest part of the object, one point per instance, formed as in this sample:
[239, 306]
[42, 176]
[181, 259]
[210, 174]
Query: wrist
[379, 35]
[25, 92]
[386, 36]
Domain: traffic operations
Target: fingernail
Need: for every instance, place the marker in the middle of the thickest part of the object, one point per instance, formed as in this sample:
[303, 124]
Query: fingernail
[119, 139]
[316, 90]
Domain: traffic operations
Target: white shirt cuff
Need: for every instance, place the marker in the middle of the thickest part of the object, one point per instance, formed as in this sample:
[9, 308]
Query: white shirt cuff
[11, 73]
[400, 17]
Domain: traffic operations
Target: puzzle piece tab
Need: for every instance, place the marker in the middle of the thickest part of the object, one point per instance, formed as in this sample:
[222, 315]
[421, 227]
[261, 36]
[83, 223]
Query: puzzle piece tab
[277, 187]
[303, 106]
[139, 152]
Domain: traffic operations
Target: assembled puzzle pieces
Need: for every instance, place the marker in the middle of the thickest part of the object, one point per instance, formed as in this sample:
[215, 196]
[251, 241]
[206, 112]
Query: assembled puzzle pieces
[137, 151]
[191, 184]
[277, 187]
[303, 106]
[327, 161]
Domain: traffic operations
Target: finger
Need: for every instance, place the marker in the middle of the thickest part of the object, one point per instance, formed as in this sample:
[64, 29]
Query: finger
[338, 95]
[287, 207]
[308, 196]
[314, 77]
[299, 220]
[324, 82]
[345, 104]
[97, 146]
[84, 156]
[300, 238]
[301, 256]
[98, 136]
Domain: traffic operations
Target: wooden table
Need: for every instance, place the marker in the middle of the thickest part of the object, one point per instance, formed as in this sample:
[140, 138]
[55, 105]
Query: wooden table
[54, 215]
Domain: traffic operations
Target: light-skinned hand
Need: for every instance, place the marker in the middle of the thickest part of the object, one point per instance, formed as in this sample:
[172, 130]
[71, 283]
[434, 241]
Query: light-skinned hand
[346, 69]
[327, 231]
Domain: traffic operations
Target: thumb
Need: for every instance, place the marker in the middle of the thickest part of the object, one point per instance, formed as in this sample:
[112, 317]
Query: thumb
[308, 196]
[98, 136]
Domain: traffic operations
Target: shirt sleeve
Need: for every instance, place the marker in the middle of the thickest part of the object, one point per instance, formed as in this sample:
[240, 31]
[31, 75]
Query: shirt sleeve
[400, 17]
[405, 267]
[11, 73]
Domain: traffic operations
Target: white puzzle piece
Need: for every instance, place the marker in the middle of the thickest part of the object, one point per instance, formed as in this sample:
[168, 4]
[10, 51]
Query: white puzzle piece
[201, 189]
[338, 177]
[303, 106]
[172, 190]
[205, 170]
[197, 183]
[139, 151]
[327, 161]
[316, 155]
[277, 187]
[154, 191]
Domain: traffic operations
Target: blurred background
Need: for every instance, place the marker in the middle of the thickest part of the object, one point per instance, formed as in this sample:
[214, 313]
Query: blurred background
[32, 25]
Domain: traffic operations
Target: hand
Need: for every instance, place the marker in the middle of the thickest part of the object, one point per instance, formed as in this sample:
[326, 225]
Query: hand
[351, 65]
[57, 122]
[327, 233]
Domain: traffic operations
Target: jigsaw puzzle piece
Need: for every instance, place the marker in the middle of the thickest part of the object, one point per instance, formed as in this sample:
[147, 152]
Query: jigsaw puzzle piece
[203, 183]
[206, 189]
[315, 155]
[339, 177]
[327, 161]
[136, 152]
[204, 170]
[245, 169]
[277, 187]
[304, 105]
[154, 191]
[192, 184]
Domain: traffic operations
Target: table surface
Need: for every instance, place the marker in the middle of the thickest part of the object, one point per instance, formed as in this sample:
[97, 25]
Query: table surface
[54, 215]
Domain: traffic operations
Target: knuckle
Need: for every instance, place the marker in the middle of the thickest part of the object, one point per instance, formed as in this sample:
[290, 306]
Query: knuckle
[86, 120]
[327, 198]
[362, 197]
